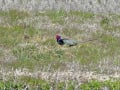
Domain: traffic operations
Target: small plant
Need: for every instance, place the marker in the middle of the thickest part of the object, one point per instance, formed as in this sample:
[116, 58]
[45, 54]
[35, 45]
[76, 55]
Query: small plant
[105, 23]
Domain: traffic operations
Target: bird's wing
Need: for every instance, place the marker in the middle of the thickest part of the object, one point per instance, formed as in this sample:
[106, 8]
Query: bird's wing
[70, 42]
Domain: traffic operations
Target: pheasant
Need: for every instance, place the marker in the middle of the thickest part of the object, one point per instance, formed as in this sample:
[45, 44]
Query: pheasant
[64, 41]
[69, 42]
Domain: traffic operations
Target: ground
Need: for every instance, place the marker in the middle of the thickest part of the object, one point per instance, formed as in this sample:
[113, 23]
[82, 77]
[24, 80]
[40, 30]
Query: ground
[30, 56]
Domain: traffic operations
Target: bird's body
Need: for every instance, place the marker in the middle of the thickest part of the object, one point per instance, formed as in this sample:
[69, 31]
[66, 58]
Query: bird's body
[63, 41]
[70, 42]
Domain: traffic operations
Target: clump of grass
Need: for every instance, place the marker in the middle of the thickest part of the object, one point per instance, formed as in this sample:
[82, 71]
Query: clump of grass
[105, 23]
[99, 85]
[33, 82]
[9, 85]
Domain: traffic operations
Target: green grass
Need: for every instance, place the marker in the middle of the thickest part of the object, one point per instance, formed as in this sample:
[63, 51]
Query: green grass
[12, 36]
[83, 15]
[105, 24]
[35, 47]
[35, 83]
[88, 53]
[95, 85]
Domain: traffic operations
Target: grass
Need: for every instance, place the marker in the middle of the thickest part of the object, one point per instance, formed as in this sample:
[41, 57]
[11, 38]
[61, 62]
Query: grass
[61, 16]
[41, 84]
[84, 15]
[14, 15]
[36, 48]
[99, 85]
[57, 16]
[8, 35]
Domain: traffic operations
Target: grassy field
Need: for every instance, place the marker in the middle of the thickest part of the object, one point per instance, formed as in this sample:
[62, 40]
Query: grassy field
[30, 56]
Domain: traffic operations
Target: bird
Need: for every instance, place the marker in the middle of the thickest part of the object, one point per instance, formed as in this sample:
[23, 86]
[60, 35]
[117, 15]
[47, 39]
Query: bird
[65, 41]
[70, 42]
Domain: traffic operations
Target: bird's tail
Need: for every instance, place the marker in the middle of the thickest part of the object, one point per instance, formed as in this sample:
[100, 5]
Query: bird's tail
[90, 40]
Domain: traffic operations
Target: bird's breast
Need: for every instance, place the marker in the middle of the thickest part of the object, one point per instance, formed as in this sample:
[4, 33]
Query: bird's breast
[60, 42]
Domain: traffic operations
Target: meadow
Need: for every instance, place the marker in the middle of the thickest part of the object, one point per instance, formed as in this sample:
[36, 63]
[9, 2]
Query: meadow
[30, 56]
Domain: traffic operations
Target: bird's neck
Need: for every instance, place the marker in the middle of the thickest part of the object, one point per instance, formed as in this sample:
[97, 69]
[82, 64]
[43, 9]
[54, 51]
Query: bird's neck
[58, 39]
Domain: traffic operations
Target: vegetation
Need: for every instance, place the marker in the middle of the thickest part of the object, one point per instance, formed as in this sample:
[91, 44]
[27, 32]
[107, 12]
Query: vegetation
[27, 41]
[44, 85]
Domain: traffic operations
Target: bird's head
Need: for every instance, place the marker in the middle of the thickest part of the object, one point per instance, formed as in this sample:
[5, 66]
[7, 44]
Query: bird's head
[58, 37]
